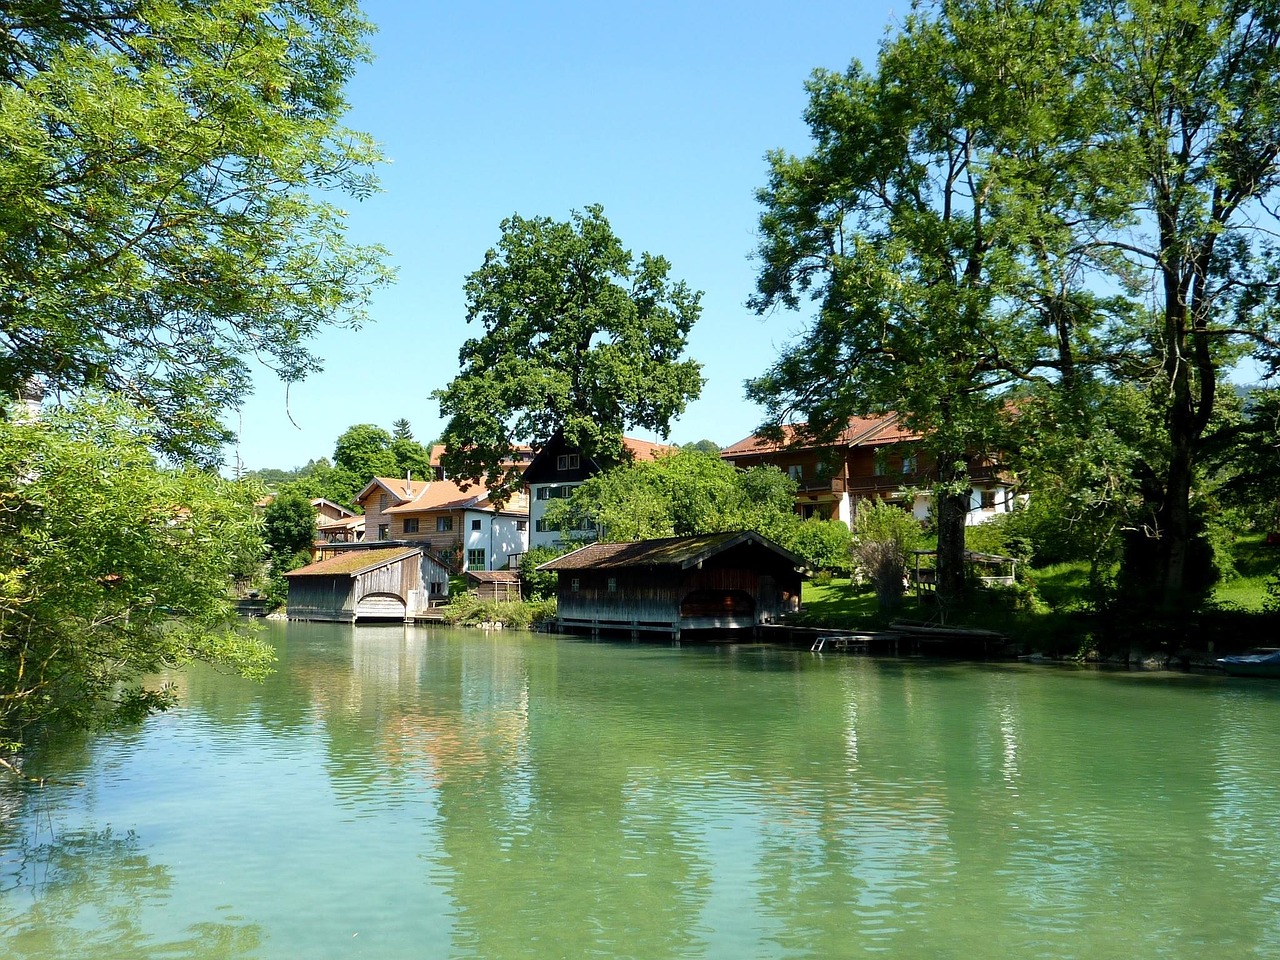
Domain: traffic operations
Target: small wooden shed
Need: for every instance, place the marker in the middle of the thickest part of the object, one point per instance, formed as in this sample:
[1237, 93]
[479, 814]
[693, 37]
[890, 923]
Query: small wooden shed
[494, 584]
[391, 583]
[718, 581]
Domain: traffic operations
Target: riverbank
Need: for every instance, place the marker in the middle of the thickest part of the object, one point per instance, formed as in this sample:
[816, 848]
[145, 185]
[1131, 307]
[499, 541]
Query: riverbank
[1063, 626]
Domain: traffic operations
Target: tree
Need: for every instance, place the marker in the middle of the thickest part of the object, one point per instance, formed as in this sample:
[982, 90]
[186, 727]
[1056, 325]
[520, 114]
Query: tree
[578, 335]
[906, 226]
[1076, 193]
[686, 493]
[1197, 117]
[163, 169]
[683, 493]
[288, 526]
[111, 569]
[364, 450]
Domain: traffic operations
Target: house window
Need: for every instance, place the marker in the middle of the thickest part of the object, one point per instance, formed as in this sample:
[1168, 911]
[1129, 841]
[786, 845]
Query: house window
[575, 584]
[909, 463]
[384, 531]
[437, 587]
[988, 499]
[382, 502]
[567, 461]
[475, 559]
[796, 472]
[613, 584]
[475, 524]
[879, 466]
[522, 526]
[444, 524]
[411, 525]
[542, 493]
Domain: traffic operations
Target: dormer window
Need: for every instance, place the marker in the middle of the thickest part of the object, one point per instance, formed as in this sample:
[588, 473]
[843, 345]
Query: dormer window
[567, 461]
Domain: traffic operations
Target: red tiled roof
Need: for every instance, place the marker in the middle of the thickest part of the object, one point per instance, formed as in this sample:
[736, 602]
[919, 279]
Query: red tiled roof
[875, 429]
[644, 450]
[442, 495]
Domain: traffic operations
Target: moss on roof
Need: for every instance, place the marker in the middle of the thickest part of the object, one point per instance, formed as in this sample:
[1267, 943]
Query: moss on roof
[351, 562]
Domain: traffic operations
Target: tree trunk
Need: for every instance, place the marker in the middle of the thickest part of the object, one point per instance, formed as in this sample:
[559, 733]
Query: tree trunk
[952, 509]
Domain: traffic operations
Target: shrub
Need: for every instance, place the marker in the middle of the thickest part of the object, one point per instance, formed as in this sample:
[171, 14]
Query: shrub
[883, 536]
[535, 585]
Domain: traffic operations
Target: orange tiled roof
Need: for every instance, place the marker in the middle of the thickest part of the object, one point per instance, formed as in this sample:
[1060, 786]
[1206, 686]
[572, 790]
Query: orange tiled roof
[877, 429]
[644, 450]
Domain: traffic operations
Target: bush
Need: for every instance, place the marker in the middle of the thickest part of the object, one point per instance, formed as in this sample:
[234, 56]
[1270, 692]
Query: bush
[535, 585]
[883, 537]
[467, 609]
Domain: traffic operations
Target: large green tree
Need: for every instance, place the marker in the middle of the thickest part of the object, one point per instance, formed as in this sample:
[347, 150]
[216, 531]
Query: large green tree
[577, 335]
[1196, 113]
[165, 169]
[112, 569]
[909, 226]
[1075, 193]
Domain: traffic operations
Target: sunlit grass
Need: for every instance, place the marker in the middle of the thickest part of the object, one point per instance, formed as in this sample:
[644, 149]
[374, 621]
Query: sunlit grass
[1256, 562]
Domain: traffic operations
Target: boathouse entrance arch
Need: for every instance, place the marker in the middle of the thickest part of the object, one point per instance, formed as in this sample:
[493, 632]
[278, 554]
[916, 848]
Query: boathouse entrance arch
[381, 606]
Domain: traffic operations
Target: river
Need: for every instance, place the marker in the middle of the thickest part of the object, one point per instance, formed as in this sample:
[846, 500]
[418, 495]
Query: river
[423, 792]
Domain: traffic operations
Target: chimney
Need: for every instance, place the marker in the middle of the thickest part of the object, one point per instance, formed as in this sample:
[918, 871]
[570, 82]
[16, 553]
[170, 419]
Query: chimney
[408, 482]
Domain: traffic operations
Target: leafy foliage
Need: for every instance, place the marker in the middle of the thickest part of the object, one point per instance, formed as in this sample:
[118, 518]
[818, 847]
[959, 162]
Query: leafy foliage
[964, 205]
[578, 335]
[163, 173]
[288, 525]
[111, 570]
[688, 492]
[537, 585]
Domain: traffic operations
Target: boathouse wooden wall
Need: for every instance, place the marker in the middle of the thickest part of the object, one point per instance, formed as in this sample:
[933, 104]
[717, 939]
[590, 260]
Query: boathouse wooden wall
[394, 590]
[708, 598]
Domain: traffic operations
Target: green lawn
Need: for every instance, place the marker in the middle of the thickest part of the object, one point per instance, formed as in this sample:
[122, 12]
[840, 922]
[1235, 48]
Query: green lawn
[1063, 587]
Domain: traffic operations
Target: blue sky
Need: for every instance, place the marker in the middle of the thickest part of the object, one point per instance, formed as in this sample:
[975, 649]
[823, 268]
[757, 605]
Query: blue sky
[662, 112]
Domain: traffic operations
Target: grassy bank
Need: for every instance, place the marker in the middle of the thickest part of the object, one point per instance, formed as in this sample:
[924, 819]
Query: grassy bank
[466, 609]
[1055, 610]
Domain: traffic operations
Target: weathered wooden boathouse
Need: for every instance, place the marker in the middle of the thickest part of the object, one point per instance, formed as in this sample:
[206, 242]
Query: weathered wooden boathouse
[718, 581]
[390, 583]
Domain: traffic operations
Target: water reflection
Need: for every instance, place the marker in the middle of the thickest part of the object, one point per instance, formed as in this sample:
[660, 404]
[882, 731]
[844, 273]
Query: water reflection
[421, 792]
[95, 894]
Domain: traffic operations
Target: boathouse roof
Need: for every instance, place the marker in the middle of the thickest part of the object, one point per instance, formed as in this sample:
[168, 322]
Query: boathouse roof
[681, 552]
[354, 562]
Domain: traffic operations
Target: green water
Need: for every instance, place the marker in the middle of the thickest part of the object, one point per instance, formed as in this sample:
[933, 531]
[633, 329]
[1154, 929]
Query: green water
[426, 793]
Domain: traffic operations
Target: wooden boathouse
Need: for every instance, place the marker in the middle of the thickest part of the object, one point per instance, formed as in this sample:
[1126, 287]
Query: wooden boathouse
[390, 583]
[713, 582]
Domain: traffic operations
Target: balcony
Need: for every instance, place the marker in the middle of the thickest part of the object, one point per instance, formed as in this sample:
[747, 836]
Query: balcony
[835, 485]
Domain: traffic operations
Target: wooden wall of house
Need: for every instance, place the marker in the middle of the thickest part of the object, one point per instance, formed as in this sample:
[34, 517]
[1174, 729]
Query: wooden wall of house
[655, 596]
[498, 590]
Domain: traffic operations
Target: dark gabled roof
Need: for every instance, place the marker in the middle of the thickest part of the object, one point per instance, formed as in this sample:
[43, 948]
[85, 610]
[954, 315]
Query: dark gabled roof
[680, 552]
[355, 562]
[541, 465]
